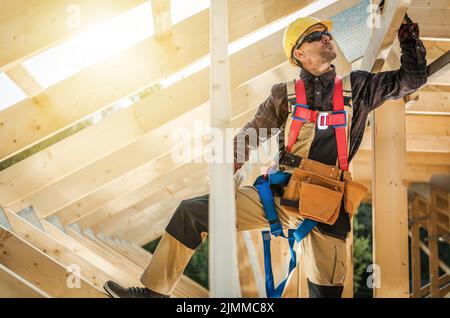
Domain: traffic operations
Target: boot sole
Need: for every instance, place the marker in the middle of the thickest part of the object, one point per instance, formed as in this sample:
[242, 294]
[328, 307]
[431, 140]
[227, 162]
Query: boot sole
[110, 292]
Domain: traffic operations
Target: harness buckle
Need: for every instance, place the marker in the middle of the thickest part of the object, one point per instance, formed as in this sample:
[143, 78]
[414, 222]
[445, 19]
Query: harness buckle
[322, 121]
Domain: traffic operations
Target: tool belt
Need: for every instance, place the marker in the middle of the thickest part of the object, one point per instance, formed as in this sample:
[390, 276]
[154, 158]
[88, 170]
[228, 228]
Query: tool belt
[315, 191]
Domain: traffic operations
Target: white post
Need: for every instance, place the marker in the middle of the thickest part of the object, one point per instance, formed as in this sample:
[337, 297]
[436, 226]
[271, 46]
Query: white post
[223, 270]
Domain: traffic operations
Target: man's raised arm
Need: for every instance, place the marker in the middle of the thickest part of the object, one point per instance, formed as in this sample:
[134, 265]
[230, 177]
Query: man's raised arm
[376, 88]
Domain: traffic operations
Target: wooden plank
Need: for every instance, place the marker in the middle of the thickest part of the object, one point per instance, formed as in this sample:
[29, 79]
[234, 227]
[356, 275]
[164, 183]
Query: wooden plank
[125, 248]
[412, 158]
[250, 272]
[26, 82]
[415, 254]
[39, 269]
[430, 99]
[390, 213]
[223, 264]
[130, 264]
[438, 4]
[106, 254]
[123, 252]
[128, 199]
[162, 21]
[109, 265]
[48, 245]
[433, 22]
[435, 47]
[197, 185]
[96, 87]
[413, 172]
[439, 70]
[14, 286]
[150, 222]
[29, 27]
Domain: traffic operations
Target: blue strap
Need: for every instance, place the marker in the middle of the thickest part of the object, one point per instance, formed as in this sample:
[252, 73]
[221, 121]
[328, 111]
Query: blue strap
[262, 184]
[271, 291]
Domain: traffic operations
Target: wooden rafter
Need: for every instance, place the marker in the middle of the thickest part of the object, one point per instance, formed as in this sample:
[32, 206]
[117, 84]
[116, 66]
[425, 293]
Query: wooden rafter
[28, 29]
[162, 20]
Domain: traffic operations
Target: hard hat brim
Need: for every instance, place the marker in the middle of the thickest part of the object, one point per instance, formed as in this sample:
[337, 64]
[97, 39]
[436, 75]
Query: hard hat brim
[327, 23]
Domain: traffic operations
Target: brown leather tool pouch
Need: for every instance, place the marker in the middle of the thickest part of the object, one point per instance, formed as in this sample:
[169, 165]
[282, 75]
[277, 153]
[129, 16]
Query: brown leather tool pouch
[314, 191]
[353, 194]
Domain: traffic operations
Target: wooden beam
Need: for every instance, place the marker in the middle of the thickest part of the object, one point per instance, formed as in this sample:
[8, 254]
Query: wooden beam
[415, 253]
[433, 22]
[431, 99]
[223, 264]
[162, 20]
[364, 155]
[425, 133]
[381, 38]
[128, 199]
[110, 265]
[26, 82]
[99, 86]
[126, 217]
[104, 253]
[390, 213]
[39, 269]
[28, 29]
[435, 47]
[56, 250]
[439, 70]
[413, 172]
[14, 286]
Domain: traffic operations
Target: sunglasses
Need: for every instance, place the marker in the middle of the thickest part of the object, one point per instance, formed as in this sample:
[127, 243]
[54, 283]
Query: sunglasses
[314, 36]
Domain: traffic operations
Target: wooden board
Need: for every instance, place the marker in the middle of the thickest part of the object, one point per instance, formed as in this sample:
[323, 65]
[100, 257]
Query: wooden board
[39, 269]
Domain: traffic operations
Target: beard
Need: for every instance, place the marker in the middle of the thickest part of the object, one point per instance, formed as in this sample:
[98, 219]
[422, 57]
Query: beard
[328, 54]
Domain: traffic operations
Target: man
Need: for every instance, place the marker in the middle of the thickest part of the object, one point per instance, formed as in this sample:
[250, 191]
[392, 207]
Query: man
[308, 44]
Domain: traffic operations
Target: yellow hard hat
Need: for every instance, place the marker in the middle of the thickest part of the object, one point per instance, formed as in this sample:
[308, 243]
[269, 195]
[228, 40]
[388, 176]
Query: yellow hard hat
[295, 30]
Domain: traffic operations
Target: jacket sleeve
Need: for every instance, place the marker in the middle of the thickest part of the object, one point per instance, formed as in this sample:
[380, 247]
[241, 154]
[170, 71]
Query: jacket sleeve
[265, 124]
[374, 89]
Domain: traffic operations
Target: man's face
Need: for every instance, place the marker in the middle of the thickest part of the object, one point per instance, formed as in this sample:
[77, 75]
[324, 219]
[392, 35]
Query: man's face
[317, 51]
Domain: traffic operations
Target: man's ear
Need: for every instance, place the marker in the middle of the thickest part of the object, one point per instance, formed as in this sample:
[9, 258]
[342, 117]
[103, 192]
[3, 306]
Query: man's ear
[299, 54]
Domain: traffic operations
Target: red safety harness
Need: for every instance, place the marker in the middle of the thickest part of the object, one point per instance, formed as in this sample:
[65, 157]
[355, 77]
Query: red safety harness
[337, 118]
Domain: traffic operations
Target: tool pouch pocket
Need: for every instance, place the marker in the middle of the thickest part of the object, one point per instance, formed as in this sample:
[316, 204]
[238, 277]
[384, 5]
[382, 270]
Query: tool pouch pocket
[319, 203]
[353, 194]
[313, 196]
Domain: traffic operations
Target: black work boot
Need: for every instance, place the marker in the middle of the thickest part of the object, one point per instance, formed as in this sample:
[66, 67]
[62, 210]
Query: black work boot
[117, 291]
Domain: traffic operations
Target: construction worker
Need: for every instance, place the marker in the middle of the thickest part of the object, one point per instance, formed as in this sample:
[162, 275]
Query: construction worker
[308, 44]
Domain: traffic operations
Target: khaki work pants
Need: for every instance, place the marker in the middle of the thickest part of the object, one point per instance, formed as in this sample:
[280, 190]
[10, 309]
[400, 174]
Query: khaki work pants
[324, 255]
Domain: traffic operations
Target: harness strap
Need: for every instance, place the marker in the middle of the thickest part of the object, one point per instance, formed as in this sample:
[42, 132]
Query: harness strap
[341, 140]
[263, 184]
[338, 119]
[300, 93]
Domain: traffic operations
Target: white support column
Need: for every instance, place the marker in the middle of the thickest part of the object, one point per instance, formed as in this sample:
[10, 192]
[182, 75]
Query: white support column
[223, 270]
